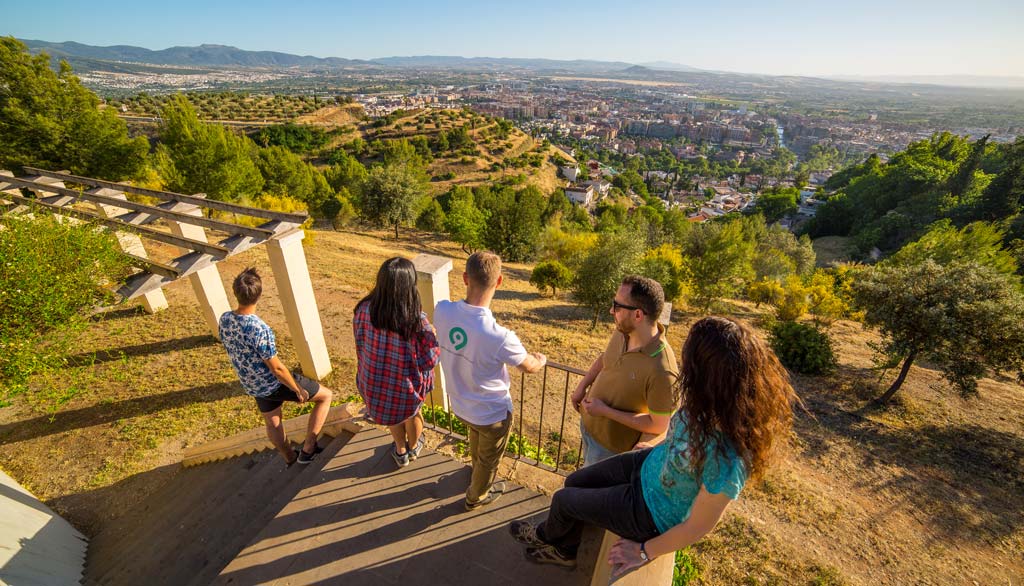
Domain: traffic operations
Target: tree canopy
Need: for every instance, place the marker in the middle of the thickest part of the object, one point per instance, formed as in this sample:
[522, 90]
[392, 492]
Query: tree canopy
[49, 119]
[196, 157]
[391, 195]
[963, 317]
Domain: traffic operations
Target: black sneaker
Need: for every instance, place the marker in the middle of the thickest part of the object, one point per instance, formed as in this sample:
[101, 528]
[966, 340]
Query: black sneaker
[494, 494]
[305, 458]
[526, 533]
[549, 554]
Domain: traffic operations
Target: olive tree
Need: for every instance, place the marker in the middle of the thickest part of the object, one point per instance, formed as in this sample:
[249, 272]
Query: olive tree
[964, 317]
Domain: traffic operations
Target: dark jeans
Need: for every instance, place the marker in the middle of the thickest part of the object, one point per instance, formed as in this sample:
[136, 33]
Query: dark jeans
[606, 494]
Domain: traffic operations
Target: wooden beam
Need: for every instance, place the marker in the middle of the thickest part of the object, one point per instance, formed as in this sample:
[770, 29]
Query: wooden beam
[292, 218]
[344, 417]
[205, 247]
[144, 282]
[138, 207]
[154, 267]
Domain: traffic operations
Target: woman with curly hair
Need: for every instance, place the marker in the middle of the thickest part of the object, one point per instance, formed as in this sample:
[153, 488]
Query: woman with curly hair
[736, 412]
[397, 350]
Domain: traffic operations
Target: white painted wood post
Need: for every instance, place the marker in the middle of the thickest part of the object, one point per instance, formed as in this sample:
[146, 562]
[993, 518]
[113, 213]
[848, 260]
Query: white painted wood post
[288, 261]
[432, 284]
[206, 283]
[155, 300]
[656, 573]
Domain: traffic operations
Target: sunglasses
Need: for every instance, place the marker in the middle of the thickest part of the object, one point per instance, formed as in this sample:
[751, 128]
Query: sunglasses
[616, 306]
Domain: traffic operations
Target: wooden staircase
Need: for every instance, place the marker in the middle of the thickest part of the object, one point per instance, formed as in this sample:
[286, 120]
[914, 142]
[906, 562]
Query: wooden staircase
[190, 529]
[343, 418]
[349, 517]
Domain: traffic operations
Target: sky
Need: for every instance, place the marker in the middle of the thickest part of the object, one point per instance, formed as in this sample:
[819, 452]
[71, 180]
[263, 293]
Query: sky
[823, 38]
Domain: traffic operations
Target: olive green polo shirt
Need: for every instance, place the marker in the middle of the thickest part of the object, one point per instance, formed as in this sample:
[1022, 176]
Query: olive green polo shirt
[640, 381]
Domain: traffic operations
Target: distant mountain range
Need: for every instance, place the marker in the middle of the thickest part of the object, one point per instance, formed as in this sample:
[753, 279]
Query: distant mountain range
[975, 81]
[201, 56]
[226, 56]
[91, 58]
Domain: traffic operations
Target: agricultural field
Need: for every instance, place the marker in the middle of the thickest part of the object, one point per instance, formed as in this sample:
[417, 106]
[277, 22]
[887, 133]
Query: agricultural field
[226, 106]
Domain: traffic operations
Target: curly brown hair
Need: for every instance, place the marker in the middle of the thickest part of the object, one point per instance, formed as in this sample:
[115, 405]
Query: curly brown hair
[733, 388]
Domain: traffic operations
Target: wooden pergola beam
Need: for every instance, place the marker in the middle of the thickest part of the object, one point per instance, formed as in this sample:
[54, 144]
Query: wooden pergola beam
[205, 247]
[155, 211]
[292, 218]
[157, 268]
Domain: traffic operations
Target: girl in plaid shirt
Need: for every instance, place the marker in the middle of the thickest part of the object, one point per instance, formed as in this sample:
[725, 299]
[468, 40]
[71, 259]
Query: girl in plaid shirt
[397, 351]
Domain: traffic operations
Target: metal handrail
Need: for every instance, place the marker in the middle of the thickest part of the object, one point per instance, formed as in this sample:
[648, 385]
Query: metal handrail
[534, 427]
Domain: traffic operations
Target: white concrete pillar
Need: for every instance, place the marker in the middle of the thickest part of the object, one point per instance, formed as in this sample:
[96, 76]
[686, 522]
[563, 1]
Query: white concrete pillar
[432, 284]
[655, 573]
[155, 300]
[288, 261]
[209, 289]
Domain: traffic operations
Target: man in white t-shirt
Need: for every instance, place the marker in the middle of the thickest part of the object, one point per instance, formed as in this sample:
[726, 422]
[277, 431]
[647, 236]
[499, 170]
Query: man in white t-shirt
[475, 351]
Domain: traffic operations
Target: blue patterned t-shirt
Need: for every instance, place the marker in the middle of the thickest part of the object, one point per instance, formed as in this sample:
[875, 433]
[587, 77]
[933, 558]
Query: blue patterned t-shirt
[249, 341]
[669, 485]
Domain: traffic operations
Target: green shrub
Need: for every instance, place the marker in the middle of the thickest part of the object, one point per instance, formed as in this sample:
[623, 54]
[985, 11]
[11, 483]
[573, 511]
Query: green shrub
[803, 348]
[432, 218]
[687, 568]
[517, 445]
[51, 273]
[551, 274]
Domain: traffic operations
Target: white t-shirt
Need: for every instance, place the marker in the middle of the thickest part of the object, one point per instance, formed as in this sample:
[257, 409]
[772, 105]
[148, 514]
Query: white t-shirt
[474, 352]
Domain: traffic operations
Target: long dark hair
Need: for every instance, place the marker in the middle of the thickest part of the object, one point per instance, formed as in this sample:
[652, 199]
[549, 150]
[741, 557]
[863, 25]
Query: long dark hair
[394, 301]
[733, 388]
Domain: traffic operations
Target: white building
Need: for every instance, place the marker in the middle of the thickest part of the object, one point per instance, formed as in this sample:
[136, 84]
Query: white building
[601, 187]
[581, 194]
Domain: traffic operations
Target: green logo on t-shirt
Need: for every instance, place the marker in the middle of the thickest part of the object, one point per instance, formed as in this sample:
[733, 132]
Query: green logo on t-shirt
[458, 338]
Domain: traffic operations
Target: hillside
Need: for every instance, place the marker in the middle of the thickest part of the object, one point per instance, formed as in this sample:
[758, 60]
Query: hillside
[930, 491]
[494, 151]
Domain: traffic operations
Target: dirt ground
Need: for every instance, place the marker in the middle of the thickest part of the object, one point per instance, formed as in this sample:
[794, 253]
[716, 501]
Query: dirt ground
[928, 491]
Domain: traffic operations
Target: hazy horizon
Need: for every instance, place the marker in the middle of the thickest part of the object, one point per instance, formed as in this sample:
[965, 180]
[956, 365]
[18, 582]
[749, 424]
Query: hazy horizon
[866, 39]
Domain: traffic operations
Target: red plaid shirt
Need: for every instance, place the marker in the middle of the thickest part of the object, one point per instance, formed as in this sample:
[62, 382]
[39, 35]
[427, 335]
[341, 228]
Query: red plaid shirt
[393, 375]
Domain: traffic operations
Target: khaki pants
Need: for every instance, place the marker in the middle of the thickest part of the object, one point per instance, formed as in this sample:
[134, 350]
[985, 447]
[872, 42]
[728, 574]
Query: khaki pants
[486, 445]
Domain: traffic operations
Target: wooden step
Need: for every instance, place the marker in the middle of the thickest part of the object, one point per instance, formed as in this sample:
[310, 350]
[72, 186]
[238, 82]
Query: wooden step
[366, 522]
[188, 531]
[232, 543]
[347, 417]
[158, 515]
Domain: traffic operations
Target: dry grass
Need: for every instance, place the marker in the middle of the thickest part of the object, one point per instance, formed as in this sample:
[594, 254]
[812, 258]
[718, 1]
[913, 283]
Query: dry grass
[333, 116]
[930, 491]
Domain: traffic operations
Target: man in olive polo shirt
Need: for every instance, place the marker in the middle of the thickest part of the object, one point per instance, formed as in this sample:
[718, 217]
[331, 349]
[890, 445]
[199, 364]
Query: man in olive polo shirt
[632, 384]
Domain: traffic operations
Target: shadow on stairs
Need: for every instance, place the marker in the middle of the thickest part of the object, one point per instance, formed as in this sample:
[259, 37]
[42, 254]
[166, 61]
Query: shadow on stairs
[191, 528]
[349, 518]
[364, 522]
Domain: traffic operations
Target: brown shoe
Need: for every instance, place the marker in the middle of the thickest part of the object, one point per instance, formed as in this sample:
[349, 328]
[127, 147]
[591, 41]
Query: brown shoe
[492, 495]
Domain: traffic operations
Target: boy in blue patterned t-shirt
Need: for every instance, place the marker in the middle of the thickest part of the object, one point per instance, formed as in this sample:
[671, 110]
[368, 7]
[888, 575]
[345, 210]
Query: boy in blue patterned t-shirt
[250, 344]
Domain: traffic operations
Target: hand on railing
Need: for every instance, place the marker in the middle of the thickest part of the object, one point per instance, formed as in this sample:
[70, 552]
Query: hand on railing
[534, 362]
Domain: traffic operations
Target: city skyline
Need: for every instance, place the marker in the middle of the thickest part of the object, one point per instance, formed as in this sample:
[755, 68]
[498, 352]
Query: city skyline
[868, 39]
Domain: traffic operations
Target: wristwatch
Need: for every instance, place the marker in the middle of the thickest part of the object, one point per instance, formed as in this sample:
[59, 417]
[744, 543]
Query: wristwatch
[643, 552]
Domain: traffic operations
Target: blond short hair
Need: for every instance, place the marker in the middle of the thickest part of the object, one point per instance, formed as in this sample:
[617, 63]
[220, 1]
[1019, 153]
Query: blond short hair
[483, 269]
